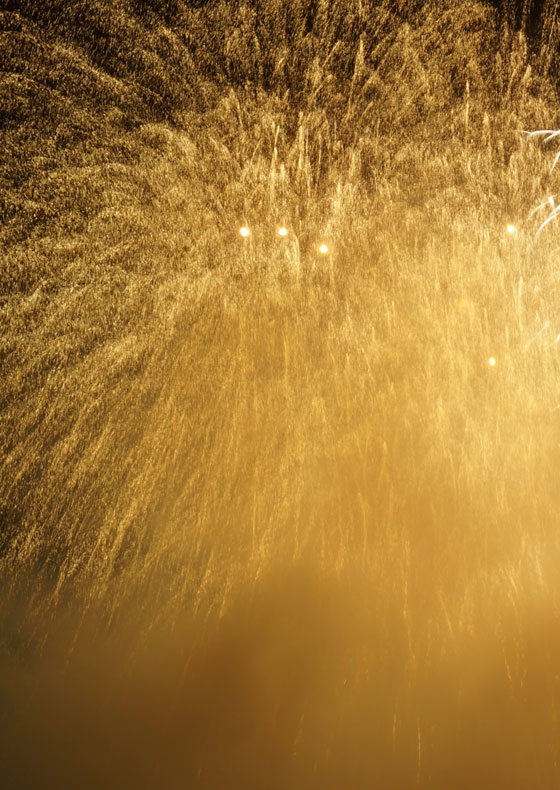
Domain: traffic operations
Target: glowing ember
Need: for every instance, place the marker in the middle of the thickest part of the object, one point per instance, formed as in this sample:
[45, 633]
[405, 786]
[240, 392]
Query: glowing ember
[323, 249]
[244, 231]
[492, 362]
[282, 231]
[511, 228]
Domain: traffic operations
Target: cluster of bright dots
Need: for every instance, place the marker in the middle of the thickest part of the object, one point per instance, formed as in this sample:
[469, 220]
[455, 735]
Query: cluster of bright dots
[323, 249]
[245, 232]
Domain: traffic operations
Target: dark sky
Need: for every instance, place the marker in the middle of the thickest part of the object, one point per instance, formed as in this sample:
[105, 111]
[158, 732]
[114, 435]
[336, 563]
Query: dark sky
[531, 9]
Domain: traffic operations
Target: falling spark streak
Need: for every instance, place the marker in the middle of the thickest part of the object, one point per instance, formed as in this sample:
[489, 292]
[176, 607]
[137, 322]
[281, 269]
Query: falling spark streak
[549, 202]
[548, 135]
[538, 334]
[550, 217]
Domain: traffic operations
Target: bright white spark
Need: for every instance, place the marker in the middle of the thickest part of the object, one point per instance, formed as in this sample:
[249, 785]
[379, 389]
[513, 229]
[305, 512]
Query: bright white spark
[323, 249]
[282, 231]
[492, 362]
[551, 201]
[244, 231]
[511, 229]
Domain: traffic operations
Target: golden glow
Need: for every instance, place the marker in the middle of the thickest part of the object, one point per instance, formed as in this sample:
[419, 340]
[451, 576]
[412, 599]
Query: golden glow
[269, 514]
